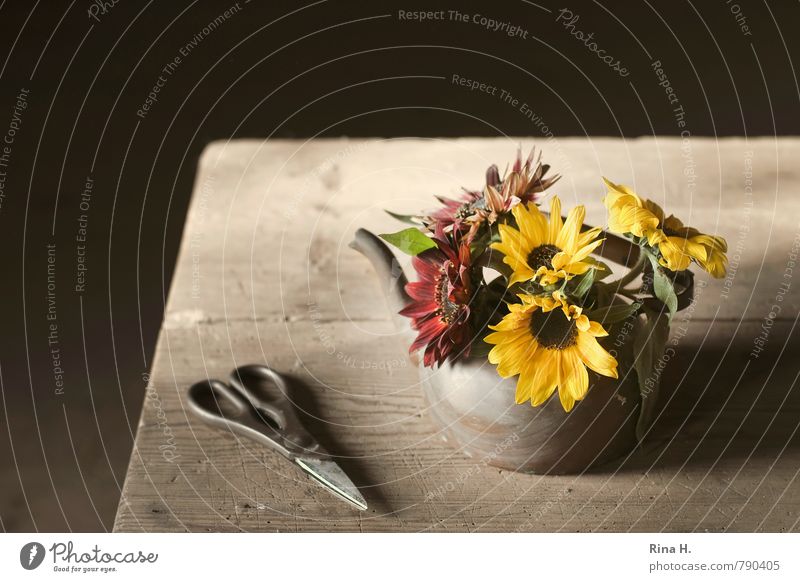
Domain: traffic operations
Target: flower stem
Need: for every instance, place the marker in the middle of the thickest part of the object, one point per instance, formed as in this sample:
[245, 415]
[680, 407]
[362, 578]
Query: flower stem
[635, 271]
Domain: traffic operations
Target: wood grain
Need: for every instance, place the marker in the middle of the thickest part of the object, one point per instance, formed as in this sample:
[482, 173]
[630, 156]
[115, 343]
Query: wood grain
[265, 275]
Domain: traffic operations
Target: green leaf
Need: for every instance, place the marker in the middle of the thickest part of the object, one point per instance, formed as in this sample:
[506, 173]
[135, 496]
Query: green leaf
[613, 313]
[649, 340]
[663, 287]
[480, 243]
[407, 218]
[411, 241]
[584, 284]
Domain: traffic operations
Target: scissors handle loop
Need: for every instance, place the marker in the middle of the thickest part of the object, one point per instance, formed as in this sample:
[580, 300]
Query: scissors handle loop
[243, 408]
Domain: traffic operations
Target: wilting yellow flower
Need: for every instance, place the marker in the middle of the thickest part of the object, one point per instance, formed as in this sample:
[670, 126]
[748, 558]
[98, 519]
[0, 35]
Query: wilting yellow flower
[549, 343]
[678, 244]
[629, 213]
[712, 257]
[547, 251]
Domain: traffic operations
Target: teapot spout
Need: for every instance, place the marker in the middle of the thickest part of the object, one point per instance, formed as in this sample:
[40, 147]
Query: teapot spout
[390, 275]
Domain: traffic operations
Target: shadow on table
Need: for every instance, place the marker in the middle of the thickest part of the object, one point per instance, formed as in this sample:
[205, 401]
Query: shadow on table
[350, 461]
[721, 401]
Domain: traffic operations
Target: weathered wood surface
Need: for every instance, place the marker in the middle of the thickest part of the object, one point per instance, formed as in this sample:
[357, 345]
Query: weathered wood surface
[265, 275]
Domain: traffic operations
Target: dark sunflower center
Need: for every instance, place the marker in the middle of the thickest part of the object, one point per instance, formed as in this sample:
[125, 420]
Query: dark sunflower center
[552, 330]
[447, 310]
[542, 256]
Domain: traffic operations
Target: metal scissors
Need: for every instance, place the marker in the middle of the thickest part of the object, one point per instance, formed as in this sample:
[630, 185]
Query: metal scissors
[255, 404]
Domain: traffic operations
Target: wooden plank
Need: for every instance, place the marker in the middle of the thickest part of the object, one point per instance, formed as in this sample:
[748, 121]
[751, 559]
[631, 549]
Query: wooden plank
[264, 275]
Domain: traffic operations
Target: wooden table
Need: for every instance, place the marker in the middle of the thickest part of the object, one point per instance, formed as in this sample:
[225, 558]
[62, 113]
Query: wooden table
[265, 275]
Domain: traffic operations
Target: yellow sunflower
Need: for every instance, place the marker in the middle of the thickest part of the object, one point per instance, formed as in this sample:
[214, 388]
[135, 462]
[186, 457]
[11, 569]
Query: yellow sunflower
[678, 244]
[549, 343]
[543, 250]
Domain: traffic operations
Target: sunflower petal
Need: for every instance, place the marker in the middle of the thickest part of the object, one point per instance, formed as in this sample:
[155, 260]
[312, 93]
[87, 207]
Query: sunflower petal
[525, 381]
[556, 222]
[588, 236]
[567, 239]
[577, 381]
[574, 381]
[520, 275]
[586, 250]
[596, 329]
[594, 356]
[546, 379]
[531, 223]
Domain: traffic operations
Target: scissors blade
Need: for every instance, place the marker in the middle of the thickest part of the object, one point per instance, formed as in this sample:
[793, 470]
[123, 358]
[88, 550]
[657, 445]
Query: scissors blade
[330, 475]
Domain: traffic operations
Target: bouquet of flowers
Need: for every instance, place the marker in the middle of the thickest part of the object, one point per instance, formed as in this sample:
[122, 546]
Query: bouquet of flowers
[500, 278]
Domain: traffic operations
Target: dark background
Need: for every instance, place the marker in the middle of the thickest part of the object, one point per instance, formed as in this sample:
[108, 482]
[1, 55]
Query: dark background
[279, 69]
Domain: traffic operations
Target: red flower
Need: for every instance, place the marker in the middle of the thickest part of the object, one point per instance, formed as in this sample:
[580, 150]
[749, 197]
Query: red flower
[499, 196]
[531, 179]
[440, 301]
[518, 187]
[457, 213]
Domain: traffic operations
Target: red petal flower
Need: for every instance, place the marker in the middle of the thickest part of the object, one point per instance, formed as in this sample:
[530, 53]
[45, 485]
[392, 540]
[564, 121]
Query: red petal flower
[440, 301]
[522, 185]
[456, 213]
[531, 178]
